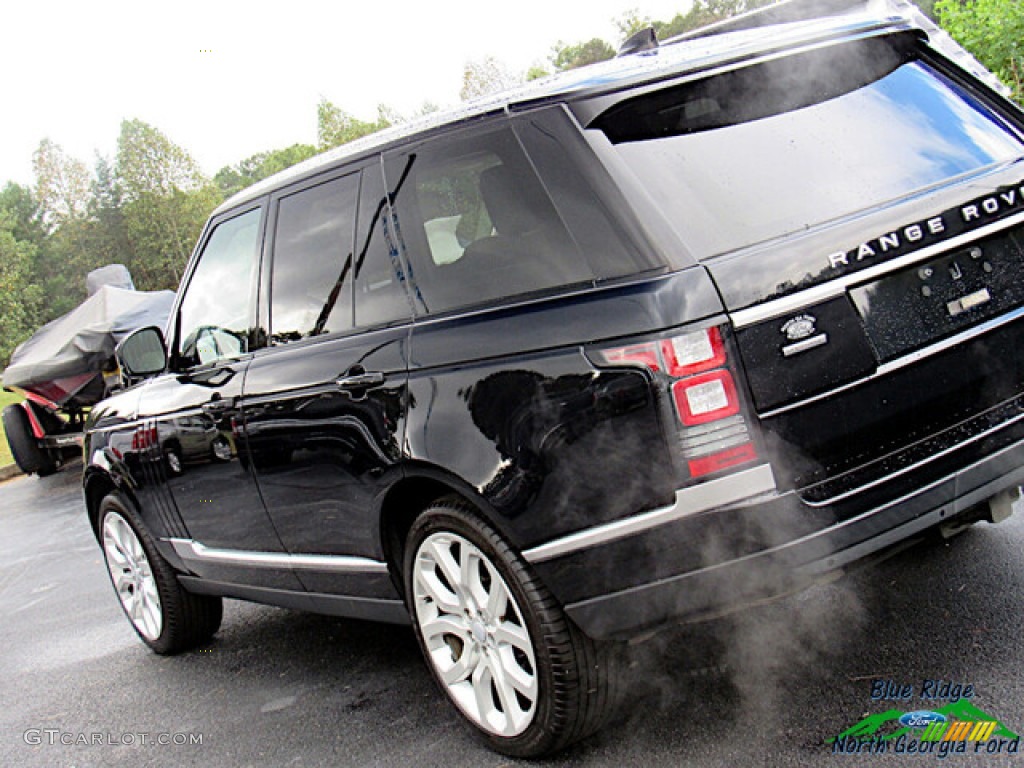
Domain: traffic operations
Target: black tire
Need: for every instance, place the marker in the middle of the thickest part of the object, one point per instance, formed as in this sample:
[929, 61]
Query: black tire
[181, 619]
[28, 455]
[576, 678]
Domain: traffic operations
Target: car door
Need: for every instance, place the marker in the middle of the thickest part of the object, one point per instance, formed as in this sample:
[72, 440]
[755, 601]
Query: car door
[193, 413]
[325, 403]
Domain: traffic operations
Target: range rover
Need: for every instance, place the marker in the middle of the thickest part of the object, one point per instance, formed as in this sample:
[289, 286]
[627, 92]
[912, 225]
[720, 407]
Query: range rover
[630, 346]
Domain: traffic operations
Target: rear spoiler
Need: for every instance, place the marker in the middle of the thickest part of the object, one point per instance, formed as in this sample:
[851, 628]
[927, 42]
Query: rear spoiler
[801, 10]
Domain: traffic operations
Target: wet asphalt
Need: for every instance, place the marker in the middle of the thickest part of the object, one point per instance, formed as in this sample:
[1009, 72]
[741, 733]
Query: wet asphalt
[279, 688]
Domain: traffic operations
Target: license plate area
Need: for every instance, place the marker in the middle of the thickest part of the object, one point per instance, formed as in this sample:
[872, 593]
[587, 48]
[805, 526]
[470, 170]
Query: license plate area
[925, 303]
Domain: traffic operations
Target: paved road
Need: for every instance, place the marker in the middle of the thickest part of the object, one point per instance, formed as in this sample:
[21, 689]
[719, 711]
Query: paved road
[278, 688]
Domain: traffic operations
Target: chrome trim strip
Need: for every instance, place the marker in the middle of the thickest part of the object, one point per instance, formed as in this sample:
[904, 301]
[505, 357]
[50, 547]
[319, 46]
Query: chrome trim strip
[909, 359]
[952, 341]
[189, 549]
[806, 345]
[689, 501]
[798, 301]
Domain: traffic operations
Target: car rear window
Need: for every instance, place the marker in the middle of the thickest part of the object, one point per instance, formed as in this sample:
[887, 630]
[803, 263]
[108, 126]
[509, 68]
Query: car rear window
[778, 147]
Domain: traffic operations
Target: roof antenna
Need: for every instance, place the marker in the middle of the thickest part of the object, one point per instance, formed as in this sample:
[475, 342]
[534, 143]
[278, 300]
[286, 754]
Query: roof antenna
[644, 40]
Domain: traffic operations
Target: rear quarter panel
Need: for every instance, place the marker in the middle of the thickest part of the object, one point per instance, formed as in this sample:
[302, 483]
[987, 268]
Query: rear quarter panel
[506, 401]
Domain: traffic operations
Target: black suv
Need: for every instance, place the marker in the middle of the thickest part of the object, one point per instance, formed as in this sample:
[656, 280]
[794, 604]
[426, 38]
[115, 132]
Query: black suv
[649, 340]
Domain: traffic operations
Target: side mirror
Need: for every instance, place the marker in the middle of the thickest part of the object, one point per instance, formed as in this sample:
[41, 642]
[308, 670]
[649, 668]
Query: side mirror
[142, 353]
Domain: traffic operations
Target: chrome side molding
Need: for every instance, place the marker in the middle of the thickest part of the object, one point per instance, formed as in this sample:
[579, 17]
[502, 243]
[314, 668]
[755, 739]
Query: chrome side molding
[190, 550]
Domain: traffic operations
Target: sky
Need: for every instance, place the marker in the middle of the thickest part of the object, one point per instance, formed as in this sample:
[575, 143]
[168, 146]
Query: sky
[226, 79]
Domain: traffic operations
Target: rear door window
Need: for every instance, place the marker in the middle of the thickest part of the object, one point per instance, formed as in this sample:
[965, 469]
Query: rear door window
[311, 279]
[476, 224]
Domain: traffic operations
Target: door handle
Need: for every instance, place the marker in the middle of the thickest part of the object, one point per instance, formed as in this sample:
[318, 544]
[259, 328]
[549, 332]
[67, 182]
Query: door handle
[217, 406]
[363, 380]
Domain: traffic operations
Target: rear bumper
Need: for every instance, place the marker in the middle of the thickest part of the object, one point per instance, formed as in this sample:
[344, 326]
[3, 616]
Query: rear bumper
[757, 549]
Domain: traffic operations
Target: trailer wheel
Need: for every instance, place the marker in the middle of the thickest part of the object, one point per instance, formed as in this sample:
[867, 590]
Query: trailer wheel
[28, 455]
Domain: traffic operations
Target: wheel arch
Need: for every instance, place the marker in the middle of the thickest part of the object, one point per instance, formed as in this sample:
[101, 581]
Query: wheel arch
[97, 485]
[421, 486]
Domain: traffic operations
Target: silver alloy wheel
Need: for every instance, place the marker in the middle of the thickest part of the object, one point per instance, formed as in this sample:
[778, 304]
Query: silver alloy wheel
[475, 635]
[132, 576]
[174, 461]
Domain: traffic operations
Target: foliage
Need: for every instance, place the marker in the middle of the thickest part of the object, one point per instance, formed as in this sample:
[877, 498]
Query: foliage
[631, 22]
[18, 296]
[536, 72]
[22, 214]
[150, 163]
[993, 31]
[165, 199]
[234, 178]
[565, 57]
[486, 76]
[335, 126]
[62, 184]
[704, 12]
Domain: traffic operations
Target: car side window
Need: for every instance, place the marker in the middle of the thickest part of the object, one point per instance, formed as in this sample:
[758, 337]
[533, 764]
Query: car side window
[311, 280]
[216, 319]
[476, 223]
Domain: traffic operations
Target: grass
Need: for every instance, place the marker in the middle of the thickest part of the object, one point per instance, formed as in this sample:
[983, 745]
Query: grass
[6, 398]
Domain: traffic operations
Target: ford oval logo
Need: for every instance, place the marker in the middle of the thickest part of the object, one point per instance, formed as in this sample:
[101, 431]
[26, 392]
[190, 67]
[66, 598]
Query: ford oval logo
[922, 718]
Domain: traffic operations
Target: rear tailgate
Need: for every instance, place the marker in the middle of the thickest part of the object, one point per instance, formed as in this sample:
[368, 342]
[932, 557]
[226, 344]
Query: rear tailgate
[894, 364]
[860, 207]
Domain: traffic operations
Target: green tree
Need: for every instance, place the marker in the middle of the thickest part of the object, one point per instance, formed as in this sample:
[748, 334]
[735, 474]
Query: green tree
[631, 22]
[335, 126]
[24, 216]
[19, 297]
[62, 184]
[150, 163]
[486, 76]
[59, 262]
[565, 56]
[993, 31]
[536, 72]
[107, 236]
[234, 178]
[704, 12]
[165, 200]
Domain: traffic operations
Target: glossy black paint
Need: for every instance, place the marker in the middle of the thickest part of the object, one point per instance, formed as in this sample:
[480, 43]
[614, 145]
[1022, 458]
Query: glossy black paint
[924, 303]
[859, 436]
[311, 444]
[776, 379]
[548, 443]
[322, 454]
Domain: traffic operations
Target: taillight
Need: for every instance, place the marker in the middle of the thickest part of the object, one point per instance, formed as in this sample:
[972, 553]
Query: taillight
[705, 397]
[692, 369]
[144, 438]
[694, 352]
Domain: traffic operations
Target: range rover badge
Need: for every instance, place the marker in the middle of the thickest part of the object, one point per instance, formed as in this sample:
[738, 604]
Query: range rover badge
[802, 331]
[800, 327]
